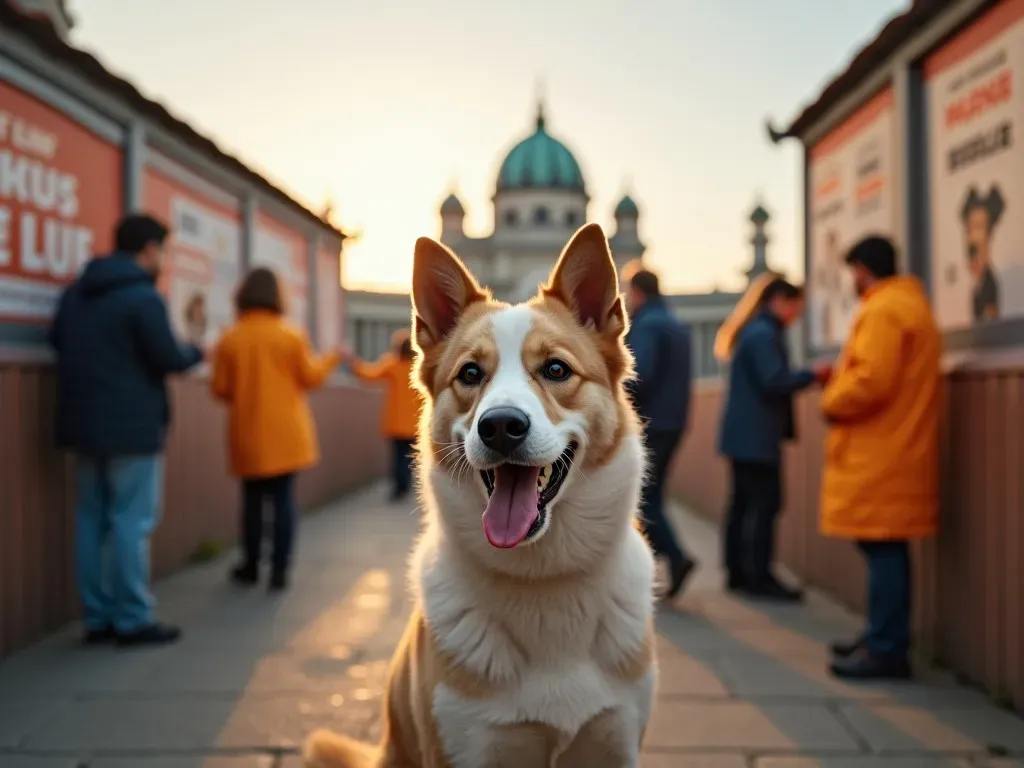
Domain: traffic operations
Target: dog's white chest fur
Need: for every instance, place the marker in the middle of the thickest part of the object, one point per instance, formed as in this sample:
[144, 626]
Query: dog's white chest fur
[554, 655]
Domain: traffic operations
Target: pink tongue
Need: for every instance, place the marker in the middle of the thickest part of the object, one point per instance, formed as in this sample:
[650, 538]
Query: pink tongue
[512, 507]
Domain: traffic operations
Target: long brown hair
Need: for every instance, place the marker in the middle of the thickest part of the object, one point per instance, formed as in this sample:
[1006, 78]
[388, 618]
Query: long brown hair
[401, 344]
[761, 291]
[261, 289]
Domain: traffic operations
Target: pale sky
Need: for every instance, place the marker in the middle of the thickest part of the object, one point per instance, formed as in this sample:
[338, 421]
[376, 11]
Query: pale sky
[384, 105]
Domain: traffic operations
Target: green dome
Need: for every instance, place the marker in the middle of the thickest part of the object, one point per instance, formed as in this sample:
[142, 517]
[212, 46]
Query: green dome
[627, 207]
[540, 161]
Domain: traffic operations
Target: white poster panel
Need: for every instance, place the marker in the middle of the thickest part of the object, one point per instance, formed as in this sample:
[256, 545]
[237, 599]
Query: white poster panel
[206, 253]
[851, 198]
[287, 258]
[976, 171]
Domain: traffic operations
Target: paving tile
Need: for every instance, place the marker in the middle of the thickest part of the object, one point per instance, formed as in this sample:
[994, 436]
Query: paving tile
[754, 674]
[943, 730]
[682, 675]
[742, 726]
[184, 724]
[780, 643]
[690, 760]
[860, 761]
[21, 714]
[257, 672]
[192, 761]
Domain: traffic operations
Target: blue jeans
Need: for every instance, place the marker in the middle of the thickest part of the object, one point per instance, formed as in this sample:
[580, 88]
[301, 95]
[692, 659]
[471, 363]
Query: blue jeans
[279, 491]
[661, 446]
[888, 633]
[118, 507]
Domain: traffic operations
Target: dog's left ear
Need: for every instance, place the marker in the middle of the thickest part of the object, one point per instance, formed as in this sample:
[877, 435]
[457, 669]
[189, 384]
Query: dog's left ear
[585, 280]
[442, 289]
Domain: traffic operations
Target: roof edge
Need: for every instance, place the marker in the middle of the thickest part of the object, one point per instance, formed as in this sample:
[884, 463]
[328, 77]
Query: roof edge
[894, 34]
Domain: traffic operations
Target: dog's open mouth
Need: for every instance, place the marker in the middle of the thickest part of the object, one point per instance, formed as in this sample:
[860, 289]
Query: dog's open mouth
[518, 497]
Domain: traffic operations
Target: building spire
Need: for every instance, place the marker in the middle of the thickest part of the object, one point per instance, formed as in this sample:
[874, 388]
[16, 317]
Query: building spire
[539, 89]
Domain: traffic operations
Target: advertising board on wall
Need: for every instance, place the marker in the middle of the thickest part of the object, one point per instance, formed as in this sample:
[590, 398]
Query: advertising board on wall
[287, 253]
[328, 300]
[976, 170]
[204, 258]
[61, 194]
[850, 198]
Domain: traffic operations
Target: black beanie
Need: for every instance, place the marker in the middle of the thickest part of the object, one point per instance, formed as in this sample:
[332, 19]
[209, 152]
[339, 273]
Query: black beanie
[876, 254]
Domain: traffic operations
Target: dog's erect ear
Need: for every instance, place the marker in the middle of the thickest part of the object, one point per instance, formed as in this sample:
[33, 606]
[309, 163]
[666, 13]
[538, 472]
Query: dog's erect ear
[584, 279]
[442, 288]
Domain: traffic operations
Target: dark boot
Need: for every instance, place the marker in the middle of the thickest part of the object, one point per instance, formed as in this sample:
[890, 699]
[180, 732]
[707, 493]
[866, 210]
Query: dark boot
[770, 588]
[735, 582]
[681, 570]
[99, 636]
[844, 650]
[867, 666]
[245, 575]
[278, 581]
[154, 634]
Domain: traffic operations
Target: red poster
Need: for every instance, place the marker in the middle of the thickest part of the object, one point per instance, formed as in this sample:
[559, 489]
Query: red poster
[202, 265]
[61, 194]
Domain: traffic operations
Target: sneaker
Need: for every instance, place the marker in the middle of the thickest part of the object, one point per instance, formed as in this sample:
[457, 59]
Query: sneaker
[154, 634]
[843, 650]
[245, 575]
[99, 636]
[278, 581]
[867, 666]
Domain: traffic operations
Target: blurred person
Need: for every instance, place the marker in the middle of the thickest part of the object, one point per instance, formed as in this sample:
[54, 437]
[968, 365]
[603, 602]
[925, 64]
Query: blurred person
[660, 344]
[115, 349]
[263, 368]
[401, 405]
[880, 484]
[756, 421]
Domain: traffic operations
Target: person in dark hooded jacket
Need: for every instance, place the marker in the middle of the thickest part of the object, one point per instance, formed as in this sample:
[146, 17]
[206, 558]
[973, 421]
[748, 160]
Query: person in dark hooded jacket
[115, 349]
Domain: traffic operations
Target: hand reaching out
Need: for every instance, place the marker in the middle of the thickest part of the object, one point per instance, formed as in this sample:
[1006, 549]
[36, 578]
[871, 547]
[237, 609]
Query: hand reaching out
[822, 373]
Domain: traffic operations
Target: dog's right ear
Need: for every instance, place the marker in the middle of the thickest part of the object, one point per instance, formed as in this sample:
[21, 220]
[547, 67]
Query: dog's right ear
[442, 289]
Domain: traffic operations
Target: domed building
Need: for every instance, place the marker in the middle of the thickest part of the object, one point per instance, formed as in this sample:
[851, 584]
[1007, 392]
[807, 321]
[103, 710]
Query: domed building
[540, 198]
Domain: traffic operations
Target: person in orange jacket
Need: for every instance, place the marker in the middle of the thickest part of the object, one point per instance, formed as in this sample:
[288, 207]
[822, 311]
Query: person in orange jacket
[263, 367]
[881, 480]
[401, 405]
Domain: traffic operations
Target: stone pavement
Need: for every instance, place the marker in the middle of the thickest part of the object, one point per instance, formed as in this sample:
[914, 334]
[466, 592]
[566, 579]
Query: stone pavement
[742, 684]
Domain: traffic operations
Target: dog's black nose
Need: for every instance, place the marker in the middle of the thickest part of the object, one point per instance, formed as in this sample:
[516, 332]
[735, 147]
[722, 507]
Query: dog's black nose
[503, 429]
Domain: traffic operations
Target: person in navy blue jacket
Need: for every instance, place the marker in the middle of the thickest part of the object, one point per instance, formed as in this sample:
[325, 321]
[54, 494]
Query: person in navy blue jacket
[660, 344]
[757, 419]
[115, 349]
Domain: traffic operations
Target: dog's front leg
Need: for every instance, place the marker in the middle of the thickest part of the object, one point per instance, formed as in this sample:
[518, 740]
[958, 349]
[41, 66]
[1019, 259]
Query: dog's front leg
[611, 739]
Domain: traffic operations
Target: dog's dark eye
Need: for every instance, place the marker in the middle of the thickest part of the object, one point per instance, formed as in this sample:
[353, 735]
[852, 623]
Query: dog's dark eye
[556, 370]
[470, 374]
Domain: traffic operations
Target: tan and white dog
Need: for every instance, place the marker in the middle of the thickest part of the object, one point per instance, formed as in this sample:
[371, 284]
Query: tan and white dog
[531, 643]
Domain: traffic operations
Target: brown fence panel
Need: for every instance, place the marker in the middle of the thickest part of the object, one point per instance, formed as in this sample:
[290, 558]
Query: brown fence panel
[200, 500]
[969, 581]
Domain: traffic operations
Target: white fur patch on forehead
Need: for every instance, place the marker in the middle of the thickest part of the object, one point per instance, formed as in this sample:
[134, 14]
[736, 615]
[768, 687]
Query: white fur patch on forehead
[510, 382]
[510, 328]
